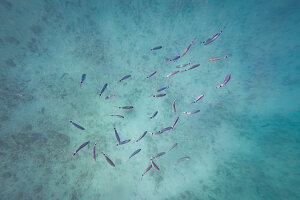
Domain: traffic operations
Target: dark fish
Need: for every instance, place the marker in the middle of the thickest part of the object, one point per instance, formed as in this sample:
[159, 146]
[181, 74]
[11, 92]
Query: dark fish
[161, 89]
[158, 95]
[76, 125]
[159, 154]
[174, 145]
[180, 66]
[173, 105]
[198, 98]
[94, 151]
[108, 160]
[134, 153]
[125, 77]
[143, 135]
[175, 122]
[124, 142]
[217, 58]
[81, 146]
[171, 74]
[83, 77]
[182, 159]
[124, 107]
[103, 89]
[153, 164]
[117, 136]
[186, 50]
[151, 74]
[118, 116]
[227, 78]
[156, 48]
[212, 38]
[146, 170]
[173, 59]
[154, 114]
[193, 112]
[192, 67]
[110, 96]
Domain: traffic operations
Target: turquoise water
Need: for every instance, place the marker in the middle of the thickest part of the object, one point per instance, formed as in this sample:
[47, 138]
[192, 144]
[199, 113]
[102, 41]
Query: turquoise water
[243, 144]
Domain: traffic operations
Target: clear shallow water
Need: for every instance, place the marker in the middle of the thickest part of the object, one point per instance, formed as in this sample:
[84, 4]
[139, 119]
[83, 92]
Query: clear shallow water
[244, 143]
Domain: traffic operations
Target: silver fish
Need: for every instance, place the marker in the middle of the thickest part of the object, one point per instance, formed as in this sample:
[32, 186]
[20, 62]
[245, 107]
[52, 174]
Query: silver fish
[151, 74]
[159, 154]
[182, 159]
[118, 116]
[154, 114]
[125, 141]
[124, 107]
[110, 96]
[174, 145]
[227, 78]
[125, 77]
[175, 122]
[108, 160]
[134, 153]
[81, 146]
[94, 151]
[217, 58]
[117, 136]
[143, 135]
[173, 105]
[171, 74]
[186, 50]
[103, 89]
[192, 67]
[180, 66]
[198, 98]
[212, 38]
[146, 170]
[193, 112]
[161, 89]
[158, 95]
[153, 164]
[161, 131]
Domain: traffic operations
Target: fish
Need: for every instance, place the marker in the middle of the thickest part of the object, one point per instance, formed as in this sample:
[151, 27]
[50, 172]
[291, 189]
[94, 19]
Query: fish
[94, 151]
[146, 170]
[108, 160]
[103, 89]
[174, 145]
[192, 67]
[193, 112]
[173, 59]
[110, 96]
[83, 77]
[156, 48]
[117, 136]
[134, 153]
[163, 88]
[154, 114]
[158, 95]
[227, 78]
[181, 159]
[171, 74]
[153, 164]
[124, 107]
[175, 122]
[159, 154]
[173, 105]
[125, 141]
[198, 98]
[141, 137]
[81, 146]
[212, 38]
[217, 58]
[161, 131]
[125, 77]
[76, 125]
[180, 66]
[151, 74]
[186, 50]
[118, 116]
